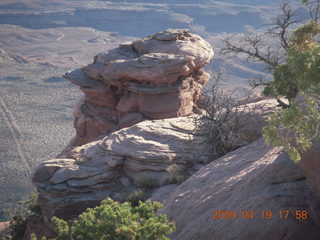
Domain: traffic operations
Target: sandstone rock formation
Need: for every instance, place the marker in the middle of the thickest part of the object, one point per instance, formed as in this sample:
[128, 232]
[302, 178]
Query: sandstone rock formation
[153, 78]
[161, 77]
[253, 178]
[147, 155]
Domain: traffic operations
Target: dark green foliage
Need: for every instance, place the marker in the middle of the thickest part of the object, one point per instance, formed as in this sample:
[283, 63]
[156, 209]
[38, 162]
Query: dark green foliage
[298, 126]
[26, 211]
[294, 128]
[283, 83]
[301, 71]
[117, 221]
[34, 237]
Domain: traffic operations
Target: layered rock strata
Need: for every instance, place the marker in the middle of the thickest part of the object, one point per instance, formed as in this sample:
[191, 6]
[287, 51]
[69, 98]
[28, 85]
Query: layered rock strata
[157, 77]
[145, 156]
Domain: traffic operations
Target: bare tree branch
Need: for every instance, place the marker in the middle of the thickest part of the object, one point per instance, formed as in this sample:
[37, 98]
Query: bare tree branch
[282, 23]
[256, 48]
[251, 46]
[314, 8]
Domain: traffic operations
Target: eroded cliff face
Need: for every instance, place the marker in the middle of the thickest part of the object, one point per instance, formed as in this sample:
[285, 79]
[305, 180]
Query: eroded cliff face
[157, 77]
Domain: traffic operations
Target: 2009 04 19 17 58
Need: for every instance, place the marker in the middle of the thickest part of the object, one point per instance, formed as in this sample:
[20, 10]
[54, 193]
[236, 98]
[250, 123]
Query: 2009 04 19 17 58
[262, 214]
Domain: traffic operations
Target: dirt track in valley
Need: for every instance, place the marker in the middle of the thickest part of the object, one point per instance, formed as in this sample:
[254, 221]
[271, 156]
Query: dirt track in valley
[16, 133]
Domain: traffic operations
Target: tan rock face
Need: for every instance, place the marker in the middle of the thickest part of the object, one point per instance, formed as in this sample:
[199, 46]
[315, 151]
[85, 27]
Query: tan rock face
[153, 78]
[252, 178]
[148, 152]
[310, 165]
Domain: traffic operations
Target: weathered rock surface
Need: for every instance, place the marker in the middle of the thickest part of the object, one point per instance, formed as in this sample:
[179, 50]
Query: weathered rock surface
[252, 116]
[252, 178]
[151, 153]
[310, 165]
[153, 78]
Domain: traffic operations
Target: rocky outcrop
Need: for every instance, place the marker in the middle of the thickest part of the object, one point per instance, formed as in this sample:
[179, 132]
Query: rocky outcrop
[146, 155]
[153, 78]
[248, 181]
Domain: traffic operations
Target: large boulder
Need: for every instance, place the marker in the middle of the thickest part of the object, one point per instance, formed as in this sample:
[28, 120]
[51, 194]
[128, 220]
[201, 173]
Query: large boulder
[146, 155]
[250, 181]
[158, 77]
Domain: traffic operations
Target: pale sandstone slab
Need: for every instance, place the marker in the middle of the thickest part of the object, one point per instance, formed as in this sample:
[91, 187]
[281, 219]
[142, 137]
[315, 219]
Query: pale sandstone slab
[253, 178]
[47, 169]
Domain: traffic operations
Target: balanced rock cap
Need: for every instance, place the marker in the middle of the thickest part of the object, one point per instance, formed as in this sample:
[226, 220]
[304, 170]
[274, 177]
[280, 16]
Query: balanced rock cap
[158, 59]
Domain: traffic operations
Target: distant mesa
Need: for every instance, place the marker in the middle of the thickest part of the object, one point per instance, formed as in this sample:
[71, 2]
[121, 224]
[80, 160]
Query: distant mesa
[157, 77]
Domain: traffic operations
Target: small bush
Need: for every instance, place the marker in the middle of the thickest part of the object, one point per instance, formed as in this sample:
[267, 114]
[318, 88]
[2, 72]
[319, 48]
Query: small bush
[177, 175]
[26, 211]
[117, 221]
[301, 121]
[147, 182]
[221, 124]
[34, 237]
[136, 196]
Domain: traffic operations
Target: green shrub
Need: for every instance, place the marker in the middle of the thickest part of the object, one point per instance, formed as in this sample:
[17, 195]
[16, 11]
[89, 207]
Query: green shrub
[301, 71]
[34, 237]
[26, 211]
[296, 127]
[117, 221]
